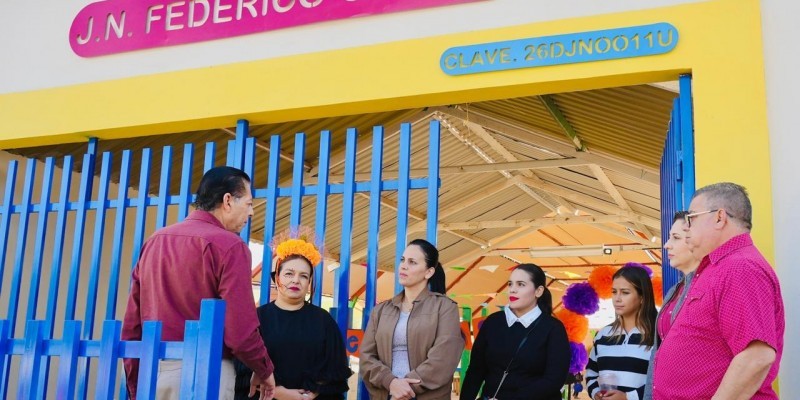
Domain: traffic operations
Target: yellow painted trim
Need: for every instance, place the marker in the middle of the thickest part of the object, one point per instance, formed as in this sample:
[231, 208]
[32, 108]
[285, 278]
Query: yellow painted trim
[720, 44]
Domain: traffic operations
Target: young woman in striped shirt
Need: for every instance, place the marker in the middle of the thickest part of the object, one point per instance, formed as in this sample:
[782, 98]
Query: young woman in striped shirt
[621, 351]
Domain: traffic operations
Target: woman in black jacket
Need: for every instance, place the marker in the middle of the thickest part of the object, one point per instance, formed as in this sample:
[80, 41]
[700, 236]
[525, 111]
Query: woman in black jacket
[521, 352]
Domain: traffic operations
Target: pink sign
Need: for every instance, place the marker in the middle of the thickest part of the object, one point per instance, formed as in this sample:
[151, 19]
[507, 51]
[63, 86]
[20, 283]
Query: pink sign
[116, 26]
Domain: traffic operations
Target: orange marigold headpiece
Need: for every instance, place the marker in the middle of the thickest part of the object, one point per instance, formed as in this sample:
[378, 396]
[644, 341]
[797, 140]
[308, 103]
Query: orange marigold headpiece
[577, 325]
[297, 241]
[601, 280]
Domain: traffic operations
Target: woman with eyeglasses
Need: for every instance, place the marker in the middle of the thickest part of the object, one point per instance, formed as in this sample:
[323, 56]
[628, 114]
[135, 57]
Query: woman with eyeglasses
[521, 352]
[682, 259]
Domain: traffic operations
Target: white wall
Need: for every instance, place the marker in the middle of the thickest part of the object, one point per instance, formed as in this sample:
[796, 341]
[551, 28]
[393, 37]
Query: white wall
[781, 30]
[35, 51]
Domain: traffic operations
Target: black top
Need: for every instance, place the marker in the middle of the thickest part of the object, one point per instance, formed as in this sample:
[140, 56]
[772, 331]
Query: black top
[539, 370]
[307, 350]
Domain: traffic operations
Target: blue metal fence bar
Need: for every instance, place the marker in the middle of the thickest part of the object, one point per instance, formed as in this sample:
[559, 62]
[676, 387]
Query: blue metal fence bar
[249, 169]
[163, 188]
[141, 208]
[297, 179]
[39, 244]
[186, 181]
[5, 351]
[29, 366]
[109, 355]
[209, 348]
[687, 138]
[97, 245]
[374, 224]
[271, 196]
[38, 253]
[670, 172]
[84, 197]
[94, 276]
[373, 229]
[58, 253]
[211, 150]
[148, 363]
[68, 361]
[322, 207]
[433, 181]
[5, 215]
[119, 235]
[230, 159]
[22, 239]
[190, 336]
[341, 285]
[404, 175]
[58, 245]
[242, 131]
[87, 175]
[19, 257]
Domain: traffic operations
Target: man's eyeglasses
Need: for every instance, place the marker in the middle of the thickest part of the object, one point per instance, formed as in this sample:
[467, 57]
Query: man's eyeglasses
[688, 217]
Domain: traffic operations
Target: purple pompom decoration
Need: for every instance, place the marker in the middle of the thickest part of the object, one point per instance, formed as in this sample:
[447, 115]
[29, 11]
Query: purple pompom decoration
[582, 299]
[642, 266]
[579, 358]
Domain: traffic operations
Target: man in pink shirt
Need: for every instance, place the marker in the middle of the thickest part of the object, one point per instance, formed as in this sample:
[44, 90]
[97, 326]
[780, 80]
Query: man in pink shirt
[727, 341]
[201, 257]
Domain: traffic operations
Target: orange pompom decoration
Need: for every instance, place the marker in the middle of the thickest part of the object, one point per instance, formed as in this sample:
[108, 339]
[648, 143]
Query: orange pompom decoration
[658, 290]
[601, 280]
[577, 325]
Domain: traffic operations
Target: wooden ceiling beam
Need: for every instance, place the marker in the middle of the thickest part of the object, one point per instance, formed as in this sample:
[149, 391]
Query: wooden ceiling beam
[530, 135]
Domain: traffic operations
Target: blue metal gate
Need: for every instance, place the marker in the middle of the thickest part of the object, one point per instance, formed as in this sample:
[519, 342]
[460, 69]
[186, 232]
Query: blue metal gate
[76, 347]
[677, 170]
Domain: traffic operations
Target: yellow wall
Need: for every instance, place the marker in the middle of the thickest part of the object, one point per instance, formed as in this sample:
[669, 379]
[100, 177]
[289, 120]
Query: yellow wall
[720, 44]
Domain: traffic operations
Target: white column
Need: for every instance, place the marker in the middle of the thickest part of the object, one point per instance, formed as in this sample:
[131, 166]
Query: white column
[780, 28]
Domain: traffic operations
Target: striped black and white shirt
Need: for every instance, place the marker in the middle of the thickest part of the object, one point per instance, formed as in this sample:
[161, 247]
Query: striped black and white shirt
[621, 354]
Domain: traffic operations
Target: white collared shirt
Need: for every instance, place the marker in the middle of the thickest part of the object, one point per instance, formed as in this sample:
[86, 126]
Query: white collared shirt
[526, 320]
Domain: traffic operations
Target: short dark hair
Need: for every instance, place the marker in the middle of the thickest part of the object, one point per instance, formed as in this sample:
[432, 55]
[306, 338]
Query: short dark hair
[730, 197]
[215, 183]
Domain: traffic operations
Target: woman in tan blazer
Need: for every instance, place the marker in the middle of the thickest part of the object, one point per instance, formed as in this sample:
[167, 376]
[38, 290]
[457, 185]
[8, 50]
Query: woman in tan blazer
[413, 342]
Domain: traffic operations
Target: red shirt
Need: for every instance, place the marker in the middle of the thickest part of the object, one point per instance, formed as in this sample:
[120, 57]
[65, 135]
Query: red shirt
[734, 299]
[179, 266]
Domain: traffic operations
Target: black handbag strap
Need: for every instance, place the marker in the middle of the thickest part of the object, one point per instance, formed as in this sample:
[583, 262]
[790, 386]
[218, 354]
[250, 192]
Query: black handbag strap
[514, 357]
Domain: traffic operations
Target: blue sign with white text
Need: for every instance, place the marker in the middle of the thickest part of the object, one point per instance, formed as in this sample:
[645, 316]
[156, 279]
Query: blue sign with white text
[608, 44]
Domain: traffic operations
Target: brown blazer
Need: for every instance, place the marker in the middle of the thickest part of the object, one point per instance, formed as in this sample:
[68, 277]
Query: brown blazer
[434, 346]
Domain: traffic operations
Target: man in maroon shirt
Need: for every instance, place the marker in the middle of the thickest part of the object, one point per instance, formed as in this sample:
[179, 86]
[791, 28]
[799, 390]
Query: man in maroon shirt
[727, 341]
[201, 257]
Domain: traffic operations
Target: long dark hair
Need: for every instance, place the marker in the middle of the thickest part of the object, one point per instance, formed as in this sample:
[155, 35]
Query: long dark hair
[646, 316]
[538, 278]
[275, 274]
[437, 281]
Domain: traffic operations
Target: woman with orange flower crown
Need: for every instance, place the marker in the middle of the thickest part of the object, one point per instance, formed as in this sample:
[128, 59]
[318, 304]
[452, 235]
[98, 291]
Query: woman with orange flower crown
[303, 340]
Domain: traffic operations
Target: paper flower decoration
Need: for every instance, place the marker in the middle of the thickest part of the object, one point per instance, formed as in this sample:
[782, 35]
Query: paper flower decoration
[581, 298]
[601, 280]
